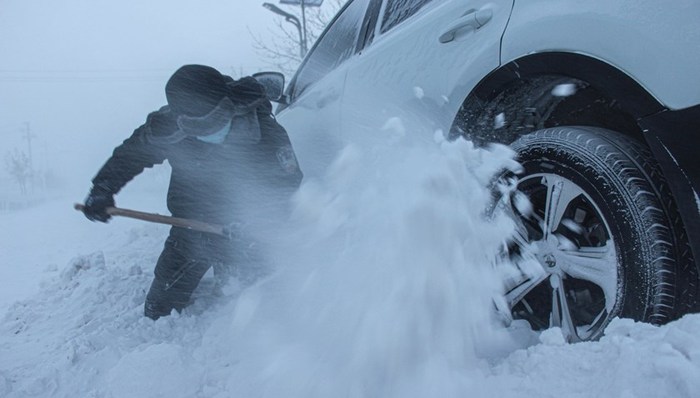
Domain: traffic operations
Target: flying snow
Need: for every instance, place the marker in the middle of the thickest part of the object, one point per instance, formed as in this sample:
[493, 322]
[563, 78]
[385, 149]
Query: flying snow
[564, 90]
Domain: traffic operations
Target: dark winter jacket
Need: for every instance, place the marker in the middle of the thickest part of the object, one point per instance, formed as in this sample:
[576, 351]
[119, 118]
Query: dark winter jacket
[212, 182]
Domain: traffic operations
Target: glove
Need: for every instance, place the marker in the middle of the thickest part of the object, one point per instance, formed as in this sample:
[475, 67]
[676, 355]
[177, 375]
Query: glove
[96, 204]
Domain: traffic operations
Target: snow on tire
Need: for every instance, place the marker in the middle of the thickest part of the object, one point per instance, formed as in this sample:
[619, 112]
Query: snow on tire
[602, 230]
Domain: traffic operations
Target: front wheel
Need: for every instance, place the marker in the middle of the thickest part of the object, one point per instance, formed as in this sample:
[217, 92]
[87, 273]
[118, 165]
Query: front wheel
[600, 228]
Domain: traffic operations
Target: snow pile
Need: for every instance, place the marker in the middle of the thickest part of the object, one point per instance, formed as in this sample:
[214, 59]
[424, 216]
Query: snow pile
[631, 360]
[383, 286]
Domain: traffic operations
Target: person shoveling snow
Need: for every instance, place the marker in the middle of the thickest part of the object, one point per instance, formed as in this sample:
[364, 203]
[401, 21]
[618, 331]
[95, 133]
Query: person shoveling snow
[220, 138]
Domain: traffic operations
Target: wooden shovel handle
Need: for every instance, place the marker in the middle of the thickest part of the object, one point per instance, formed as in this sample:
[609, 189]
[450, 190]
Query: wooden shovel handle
[169, 220]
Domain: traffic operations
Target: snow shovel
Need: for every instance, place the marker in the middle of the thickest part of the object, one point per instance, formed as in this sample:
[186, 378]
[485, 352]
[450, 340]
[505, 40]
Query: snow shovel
[160, 219]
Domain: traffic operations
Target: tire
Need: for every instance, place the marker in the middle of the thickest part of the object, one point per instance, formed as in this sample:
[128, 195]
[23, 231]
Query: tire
[601, 224]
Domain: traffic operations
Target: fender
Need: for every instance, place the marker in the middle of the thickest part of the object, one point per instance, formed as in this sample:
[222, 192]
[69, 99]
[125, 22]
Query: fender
[602, 76]
[674, 137]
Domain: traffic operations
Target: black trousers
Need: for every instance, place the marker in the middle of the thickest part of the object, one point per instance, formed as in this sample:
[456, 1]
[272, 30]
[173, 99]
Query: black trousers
[186, 257]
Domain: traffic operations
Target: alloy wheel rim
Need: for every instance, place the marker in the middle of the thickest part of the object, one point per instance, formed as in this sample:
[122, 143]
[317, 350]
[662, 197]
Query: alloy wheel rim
[567, 259]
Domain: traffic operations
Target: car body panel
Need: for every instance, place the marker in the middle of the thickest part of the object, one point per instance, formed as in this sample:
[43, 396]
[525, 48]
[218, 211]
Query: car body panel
[642, 38]
[432, 92]
[414, 95]
[314, 111]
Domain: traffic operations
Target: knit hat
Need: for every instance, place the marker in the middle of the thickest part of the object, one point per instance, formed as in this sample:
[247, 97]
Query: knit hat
[195, 90]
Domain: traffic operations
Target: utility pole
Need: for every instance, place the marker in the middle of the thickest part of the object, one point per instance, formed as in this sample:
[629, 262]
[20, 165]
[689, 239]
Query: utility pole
[294, 21]
[44, 167]
[303, 26]
[303, 4]
[29, 136]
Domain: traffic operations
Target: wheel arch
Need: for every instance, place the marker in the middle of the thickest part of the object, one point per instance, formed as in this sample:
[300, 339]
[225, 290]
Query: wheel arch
[520, 94]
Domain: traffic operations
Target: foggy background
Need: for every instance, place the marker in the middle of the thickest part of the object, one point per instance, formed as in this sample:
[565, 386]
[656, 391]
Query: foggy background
[81, 75]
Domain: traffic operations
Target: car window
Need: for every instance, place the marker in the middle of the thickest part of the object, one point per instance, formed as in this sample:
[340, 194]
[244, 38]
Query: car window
[335, 46]
[397, 11]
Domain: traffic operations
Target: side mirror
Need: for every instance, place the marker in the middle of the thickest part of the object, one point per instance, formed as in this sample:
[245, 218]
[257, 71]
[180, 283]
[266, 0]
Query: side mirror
[273, 83]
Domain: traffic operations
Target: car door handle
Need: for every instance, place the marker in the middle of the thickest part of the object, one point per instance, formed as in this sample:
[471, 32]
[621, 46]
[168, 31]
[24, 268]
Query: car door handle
[474, 19]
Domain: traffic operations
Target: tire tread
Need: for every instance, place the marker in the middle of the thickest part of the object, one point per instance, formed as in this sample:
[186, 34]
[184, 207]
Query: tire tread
[675, 282]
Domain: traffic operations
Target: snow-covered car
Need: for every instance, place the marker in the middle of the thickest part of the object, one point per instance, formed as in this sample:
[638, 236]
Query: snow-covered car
[600, 100]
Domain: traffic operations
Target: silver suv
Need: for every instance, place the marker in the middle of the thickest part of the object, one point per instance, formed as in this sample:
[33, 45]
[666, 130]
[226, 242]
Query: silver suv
[600, 99]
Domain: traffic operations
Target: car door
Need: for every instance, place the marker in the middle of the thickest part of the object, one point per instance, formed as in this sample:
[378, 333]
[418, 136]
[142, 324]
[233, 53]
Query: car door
[313, 115]
[420, 62]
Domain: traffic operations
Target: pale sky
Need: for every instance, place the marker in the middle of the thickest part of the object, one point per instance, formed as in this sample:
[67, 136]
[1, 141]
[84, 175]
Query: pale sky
[85, 73]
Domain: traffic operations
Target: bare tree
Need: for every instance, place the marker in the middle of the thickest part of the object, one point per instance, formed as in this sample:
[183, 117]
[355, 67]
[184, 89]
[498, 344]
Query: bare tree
[281, 52]
[19, 167]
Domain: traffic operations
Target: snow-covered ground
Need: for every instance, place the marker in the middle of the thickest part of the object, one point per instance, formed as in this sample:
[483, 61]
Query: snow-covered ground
[382, 285]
